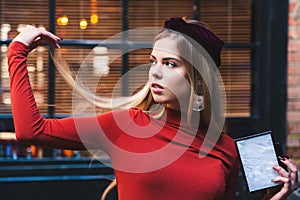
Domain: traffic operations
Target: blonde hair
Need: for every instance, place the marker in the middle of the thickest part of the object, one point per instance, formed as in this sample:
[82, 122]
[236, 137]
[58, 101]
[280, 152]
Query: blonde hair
[111, 185]
[200, 76]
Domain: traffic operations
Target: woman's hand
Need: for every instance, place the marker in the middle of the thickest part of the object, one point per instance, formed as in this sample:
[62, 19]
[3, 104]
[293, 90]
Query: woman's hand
[289, 179]
[33, 37]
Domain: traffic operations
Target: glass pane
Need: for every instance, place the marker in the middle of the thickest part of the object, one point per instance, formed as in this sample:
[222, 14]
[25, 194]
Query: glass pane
[236, 75]
[231, 20]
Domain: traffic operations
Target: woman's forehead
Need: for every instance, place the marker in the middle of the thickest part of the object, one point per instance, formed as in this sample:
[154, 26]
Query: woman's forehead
[165, 47]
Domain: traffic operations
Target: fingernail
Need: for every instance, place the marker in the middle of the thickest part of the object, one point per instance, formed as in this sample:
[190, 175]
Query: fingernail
[281, 158]
[275, 166]
[274, 179]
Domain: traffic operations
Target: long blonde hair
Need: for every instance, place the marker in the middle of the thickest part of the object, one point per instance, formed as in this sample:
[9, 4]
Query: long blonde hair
[143, 98]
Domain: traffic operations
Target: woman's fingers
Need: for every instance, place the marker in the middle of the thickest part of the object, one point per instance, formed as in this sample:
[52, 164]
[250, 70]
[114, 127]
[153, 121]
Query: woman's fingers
[293, 173]
[43, 36]
[50, 38]
[32, 37]
[44, 40]
[281, 179]
[288, 178]
[282, 172]
[290, 165]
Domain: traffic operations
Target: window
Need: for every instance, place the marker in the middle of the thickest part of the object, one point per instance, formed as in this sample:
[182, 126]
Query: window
[253, 60]
[234, 29]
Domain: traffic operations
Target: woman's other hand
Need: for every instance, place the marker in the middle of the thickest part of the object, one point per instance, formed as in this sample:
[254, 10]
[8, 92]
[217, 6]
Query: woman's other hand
[289, 179]
[33, 37]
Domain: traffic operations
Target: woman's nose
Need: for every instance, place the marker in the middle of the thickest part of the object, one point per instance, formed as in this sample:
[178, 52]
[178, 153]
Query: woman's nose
[156, 72]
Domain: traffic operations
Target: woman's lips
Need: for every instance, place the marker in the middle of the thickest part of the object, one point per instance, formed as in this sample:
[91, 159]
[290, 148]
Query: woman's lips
[156, 88]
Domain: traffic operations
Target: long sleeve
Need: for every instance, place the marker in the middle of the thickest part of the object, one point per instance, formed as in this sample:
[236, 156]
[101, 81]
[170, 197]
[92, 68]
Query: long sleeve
[29, 123]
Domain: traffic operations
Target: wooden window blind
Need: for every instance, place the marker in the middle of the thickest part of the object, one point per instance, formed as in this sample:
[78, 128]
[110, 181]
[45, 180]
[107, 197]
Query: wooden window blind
[230, 19]
[14, 16]
[109, 24]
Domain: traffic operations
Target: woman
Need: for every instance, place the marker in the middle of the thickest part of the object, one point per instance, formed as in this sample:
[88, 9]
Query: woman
[161, 148]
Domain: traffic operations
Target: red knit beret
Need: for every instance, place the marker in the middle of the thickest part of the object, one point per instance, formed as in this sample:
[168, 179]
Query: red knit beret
[206, 38]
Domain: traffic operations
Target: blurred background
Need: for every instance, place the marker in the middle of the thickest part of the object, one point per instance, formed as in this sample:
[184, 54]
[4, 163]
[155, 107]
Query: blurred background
[260, 70]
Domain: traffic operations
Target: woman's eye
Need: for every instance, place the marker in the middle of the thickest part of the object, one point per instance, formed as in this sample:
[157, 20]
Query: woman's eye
[170, 64]
[152, 62]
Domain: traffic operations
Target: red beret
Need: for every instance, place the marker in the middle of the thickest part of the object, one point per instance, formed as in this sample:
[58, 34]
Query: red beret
[206, 38]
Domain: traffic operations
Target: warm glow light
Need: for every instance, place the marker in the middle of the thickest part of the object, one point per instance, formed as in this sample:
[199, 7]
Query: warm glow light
[63, 20]
[83, 24]
[101, 61]
[94, 19]
[6, 98]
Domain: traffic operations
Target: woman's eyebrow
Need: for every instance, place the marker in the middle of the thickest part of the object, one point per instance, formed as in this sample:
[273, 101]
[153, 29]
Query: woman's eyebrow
[171, 58]
[167, 58]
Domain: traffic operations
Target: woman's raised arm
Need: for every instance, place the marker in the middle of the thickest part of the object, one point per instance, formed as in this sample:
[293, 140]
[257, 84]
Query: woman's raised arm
[29, 123]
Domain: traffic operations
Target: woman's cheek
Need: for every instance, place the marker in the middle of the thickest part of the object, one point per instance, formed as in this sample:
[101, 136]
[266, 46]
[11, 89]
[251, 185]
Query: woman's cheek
[179, 86]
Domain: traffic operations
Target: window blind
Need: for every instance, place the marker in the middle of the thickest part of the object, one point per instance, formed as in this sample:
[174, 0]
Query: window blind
[230, 19]
[14, 16]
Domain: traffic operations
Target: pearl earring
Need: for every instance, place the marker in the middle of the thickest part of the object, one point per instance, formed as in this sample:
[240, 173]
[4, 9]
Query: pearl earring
[198, 103]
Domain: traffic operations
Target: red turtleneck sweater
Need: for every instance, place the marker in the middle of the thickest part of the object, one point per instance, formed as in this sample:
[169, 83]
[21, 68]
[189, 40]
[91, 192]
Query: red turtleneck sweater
[153, 158]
